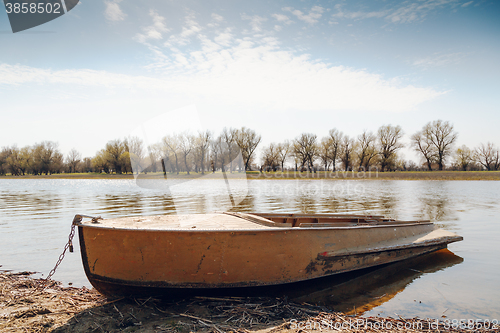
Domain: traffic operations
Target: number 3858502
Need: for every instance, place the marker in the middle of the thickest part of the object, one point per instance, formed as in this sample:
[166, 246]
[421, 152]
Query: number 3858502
[33, 8]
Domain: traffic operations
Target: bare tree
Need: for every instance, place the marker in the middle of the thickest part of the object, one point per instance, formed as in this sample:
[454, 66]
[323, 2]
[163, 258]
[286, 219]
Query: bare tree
[412, 166]
[202, 144]
[306, 150]
[137, 153]
[25, 159]
[57, 165]
[442, 137]
[346, 152]
[389, 143]
[11, 156]
[335, 140]
[367, 150]
[116, 156]
[488, 156]
[3, 161]
[186, 144]
[248, 141]
[171, 146]
[229, 136]
[99, 163]
[73, 160]
[86, 165]
[283, 151]
[270, 158]
[401, 164]
[45, 154]
[296, 157]
[422, 144]
[324, 152]
[217, 152]
[463, 157]
[155, 154]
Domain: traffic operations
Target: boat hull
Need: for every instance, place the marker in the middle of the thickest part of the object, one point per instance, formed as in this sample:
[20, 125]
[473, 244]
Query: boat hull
[139, 262]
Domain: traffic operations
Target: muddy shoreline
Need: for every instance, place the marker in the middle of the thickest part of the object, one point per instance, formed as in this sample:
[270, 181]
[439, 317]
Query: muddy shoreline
[35, 305]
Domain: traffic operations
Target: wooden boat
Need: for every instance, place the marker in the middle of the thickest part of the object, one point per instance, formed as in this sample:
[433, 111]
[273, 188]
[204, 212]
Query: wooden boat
[157, 254]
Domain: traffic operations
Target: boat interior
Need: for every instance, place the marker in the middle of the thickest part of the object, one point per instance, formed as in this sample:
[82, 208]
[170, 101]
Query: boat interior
[320, 220]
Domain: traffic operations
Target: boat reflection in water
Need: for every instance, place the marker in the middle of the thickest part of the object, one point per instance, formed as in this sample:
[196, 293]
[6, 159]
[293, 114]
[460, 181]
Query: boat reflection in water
[360, 291]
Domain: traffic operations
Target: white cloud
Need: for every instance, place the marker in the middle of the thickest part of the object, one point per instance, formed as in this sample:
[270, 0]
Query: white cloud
[154, 31]
[312, 17]
[417, 11]
[439, 59]
[224, 38]
[217, 17]
[356, 15]
[467, 3]
[113, 11]
[282, 18]
[407, 12]
[216, 20]
[18, 75]
[255, 22]
[251, 73]
[191, 28]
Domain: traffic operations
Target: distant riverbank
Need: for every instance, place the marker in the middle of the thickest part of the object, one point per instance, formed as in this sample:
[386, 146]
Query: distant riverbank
[339, 175]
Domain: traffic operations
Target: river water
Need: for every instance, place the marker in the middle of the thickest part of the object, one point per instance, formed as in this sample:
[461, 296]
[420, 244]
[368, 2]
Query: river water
[36, 215]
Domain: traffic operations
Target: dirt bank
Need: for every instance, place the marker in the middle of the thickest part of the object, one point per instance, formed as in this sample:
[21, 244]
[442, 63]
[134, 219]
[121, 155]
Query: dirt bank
[31, 305]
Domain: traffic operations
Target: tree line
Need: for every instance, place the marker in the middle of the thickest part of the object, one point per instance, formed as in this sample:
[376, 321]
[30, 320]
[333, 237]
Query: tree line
[235, 150]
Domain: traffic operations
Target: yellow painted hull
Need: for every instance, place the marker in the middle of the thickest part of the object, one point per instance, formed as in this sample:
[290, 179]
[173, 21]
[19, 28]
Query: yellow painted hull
[121, 261]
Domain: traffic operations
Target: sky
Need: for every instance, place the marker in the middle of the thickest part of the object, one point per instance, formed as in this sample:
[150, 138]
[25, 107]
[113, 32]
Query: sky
[281, 68]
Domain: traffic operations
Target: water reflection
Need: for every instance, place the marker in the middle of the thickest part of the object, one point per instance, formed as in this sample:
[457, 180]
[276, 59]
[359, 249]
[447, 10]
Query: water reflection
[415, 201]
[125, 205]
[306, 204]
[246, 205]
[387, 205]
[358, 292]
[199, 203]
[165, 203]
[31, 203]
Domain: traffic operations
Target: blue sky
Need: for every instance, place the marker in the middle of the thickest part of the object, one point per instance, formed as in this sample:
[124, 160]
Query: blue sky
[280, 68]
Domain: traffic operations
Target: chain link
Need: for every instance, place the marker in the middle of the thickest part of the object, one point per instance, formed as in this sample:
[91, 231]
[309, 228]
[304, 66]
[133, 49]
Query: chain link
[78, 218]
[69, 246]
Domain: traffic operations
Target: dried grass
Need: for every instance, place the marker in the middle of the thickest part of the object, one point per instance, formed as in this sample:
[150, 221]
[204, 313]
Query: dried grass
[30, 305]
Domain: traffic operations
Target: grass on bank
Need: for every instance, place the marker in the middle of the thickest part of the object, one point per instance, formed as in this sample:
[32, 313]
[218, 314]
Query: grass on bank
[338, 175]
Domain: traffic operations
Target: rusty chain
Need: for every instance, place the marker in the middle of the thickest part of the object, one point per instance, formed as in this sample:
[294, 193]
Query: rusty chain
[69, 244]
